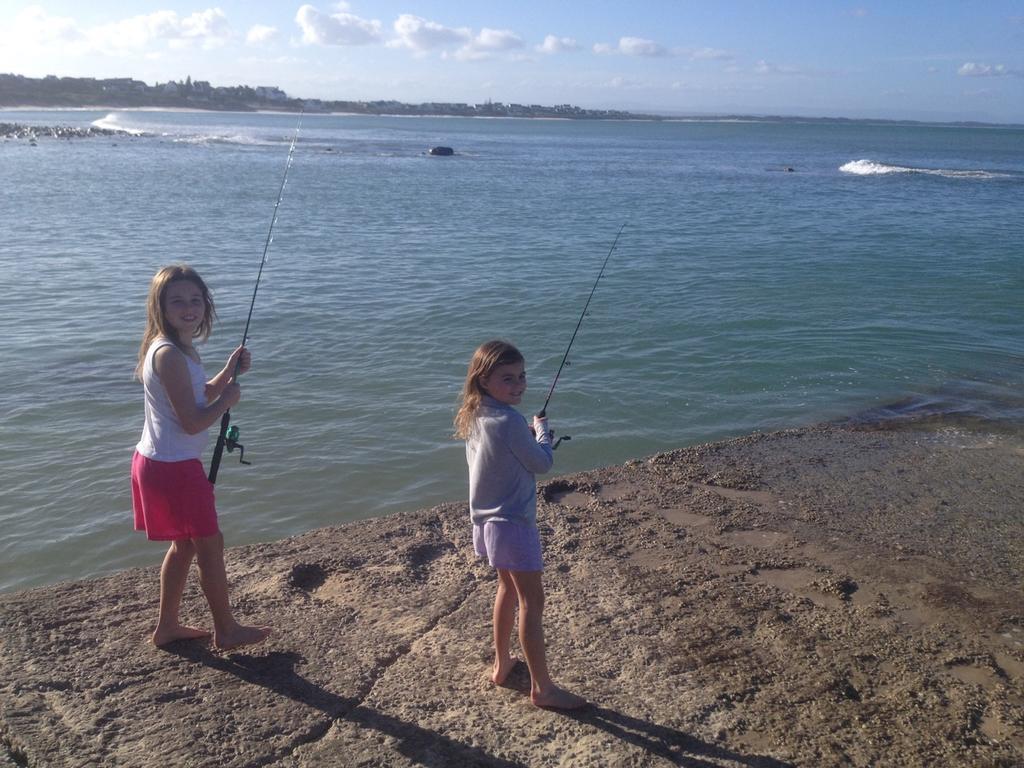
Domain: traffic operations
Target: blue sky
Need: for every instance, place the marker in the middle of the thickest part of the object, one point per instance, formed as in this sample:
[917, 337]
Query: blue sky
[941, 60]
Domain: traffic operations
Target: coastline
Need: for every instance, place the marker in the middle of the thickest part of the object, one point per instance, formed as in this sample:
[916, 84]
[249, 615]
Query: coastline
[830, 595]
[667, 118]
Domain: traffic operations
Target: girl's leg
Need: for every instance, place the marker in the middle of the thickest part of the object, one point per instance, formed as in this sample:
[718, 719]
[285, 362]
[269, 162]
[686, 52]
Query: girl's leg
[504, 621]
[227, 633]
[543, 691]
[173, 575]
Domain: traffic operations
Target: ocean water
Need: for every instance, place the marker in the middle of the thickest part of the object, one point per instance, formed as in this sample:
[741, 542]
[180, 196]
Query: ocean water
[882, 277]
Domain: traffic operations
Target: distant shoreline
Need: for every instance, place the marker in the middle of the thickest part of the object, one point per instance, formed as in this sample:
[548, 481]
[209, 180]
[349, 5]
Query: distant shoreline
[761, 119]
[18, 92]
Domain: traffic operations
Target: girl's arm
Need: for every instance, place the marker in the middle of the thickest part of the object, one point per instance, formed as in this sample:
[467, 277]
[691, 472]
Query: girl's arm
[172, 369]
[533, 452]
[215, 386]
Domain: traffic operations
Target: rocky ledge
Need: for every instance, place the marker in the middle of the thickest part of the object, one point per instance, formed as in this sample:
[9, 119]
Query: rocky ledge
[819, 597]
[19, 131]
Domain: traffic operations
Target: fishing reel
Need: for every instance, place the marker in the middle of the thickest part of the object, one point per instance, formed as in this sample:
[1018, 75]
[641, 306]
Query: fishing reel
[556, 443]
[231, 442]
[551, 436]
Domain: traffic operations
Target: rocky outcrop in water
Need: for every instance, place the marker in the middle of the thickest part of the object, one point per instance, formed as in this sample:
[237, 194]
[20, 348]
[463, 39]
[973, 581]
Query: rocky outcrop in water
[19, 131]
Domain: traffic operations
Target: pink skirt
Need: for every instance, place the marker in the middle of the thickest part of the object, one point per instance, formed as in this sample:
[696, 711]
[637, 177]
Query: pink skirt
[172, 499]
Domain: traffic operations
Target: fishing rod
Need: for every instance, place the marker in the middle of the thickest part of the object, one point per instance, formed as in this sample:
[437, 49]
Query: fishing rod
[565, 357]
[227, 438]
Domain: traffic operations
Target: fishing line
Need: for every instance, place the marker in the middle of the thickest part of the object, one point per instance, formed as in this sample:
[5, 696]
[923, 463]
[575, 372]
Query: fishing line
[228, 435]
[543, 411]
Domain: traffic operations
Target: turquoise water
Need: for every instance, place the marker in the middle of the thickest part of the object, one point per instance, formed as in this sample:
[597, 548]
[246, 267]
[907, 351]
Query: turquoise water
[884, 275]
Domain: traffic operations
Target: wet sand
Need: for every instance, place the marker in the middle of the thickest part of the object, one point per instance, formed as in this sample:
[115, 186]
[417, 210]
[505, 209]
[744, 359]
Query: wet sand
[814, 597]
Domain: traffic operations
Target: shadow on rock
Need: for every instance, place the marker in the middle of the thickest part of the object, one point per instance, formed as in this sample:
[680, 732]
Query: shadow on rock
[658, 740]
[275, 671]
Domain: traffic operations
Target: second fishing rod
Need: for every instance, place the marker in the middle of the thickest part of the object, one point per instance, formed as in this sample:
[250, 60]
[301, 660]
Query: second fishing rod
[227, 437]
[543, 411]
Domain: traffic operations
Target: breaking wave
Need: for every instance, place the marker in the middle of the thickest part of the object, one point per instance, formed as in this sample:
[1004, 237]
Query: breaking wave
[112, 122]
[873, 168]
[184, 134]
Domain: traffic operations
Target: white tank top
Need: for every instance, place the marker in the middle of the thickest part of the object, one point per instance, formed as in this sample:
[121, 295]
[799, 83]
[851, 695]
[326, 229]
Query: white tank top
[163, 438]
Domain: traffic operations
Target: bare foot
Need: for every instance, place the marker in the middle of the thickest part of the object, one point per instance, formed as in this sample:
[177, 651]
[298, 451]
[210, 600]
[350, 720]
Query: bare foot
[502, 669]
[240, 636]
[180, 632]
[557, 698]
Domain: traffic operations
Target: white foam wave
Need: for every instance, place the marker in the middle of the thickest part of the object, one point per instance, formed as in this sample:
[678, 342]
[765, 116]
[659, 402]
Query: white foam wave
[112, 122]
[181, 134]
[221, 139]
[873, 168]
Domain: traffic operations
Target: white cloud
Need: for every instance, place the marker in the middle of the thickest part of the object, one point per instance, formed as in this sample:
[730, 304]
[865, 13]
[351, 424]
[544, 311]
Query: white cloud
[764, 67]
[632, 46]
[138, 31]
[638, 46]
[972, 69]
[34, 28]
[625, 83]
[553, 44]
[489, 42]
[211, 23]
[421, 35]
[708, 54]
[336, 29]
[211, 27]
[258, 34]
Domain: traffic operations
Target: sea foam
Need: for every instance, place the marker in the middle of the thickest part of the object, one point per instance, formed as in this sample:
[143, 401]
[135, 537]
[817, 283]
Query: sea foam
[873, 168]
[111, 122]
[215, 138]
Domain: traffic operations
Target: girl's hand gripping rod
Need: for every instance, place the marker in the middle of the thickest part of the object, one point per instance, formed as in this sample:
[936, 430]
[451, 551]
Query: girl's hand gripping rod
[228, 435]
[543, 411]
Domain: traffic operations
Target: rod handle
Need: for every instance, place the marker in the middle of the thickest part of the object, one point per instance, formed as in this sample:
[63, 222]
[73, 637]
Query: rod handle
[218, 450]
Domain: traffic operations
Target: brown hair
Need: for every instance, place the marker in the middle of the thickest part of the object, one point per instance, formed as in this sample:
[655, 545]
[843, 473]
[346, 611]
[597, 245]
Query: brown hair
[156, 320]
[487, 357]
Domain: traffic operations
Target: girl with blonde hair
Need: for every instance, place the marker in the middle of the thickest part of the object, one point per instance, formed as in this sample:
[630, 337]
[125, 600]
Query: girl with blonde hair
[171, 497]
[504, 455]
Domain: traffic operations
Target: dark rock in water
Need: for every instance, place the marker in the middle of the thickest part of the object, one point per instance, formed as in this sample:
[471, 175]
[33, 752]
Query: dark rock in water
[441, 151]
[32, 132]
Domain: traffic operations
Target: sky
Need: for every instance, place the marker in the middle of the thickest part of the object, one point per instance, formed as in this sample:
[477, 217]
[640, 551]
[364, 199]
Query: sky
[900, 59]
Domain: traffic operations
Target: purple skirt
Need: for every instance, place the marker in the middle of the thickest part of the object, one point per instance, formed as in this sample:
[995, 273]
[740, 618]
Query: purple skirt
[509, 546]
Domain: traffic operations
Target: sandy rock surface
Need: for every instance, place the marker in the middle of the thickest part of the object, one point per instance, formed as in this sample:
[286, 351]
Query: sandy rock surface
[818, 597]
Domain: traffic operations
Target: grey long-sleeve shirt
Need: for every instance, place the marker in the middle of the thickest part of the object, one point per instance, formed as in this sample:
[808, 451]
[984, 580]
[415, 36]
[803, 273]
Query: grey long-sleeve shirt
[503, 457]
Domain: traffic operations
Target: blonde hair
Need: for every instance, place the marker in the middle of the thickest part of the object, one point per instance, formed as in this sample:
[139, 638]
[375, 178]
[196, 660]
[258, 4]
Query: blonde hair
[156, 320]
[487, 357]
